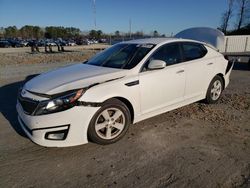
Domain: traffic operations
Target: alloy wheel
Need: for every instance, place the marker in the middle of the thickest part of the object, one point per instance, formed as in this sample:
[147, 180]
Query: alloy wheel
[110, 123]
[216, 90]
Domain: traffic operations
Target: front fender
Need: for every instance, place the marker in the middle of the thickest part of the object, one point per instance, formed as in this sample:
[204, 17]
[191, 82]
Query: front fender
[127, 88]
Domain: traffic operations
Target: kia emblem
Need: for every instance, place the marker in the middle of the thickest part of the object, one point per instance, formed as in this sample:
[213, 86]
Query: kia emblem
[23, 92]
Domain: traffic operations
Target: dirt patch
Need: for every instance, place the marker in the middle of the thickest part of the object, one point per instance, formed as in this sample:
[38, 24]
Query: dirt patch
[236, 103]
[36, 58]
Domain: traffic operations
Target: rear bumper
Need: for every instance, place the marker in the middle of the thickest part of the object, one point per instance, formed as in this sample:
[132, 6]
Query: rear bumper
[73, 123]
[228, 72]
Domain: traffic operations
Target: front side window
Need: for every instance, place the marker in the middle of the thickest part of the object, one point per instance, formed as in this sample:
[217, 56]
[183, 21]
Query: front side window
[193, 51]
[123, 56]
[170, 53]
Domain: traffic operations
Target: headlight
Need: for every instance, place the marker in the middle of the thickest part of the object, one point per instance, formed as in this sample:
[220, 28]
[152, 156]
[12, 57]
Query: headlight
[60, 103]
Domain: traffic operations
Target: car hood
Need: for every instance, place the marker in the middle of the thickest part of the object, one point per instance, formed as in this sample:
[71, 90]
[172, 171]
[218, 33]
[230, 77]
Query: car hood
[72, 77]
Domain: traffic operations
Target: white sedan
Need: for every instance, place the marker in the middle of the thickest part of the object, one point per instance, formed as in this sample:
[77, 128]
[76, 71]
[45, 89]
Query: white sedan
[126, 83]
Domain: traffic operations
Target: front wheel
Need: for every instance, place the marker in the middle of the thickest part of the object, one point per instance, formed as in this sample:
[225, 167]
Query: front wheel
[214, 90]
[110, 123]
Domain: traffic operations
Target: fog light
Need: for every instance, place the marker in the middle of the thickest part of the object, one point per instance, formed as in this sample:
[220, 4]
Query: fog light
[57, 135]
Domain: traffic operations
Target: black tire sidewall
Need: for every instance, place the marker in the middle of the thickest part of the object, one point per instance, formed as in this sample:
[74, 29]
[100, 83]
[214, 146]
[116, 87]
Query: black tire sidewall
[209, 99]
[114, 103]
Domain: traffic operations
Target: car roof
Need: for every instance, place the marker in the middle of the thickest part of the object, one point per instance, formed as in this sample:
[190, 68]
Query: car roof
[158, 40]
[149, 40]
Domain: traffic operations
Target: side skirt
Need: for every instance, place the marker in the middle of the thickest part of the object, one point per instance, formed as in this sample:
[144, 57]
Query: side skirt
[168, 108]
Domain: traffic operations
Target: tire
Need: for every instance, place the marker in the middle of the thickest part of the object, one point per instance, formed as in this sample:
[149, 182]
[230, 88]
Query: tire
[214, 90]
[110, 123]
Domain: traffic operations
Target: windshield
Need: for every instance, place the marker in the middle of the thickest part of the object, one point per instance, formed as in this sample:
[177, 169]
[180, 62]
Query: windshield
[122, 56]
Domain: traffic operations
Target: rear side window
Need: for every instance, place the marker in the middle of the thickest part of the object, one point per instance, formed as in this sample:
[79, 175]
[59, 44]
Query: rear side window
[193, 51]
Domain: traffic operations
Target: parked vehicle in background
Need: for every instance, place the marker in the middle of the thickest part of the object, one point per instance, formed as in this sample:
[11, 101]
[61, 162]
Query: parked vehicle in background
[15, 43]
[4, 44]
[82, 42]
[103, 41]
[87, 42]
[41, 43]
[50, 42]
[61, 42]
[24, 43]
[93, 41]
[70, 43]
[31, 43]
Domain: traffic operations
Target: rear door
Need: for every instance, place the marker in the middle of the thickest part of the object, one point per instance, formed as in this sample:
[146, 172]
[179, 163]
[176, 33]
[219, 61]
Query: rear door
[198, 69]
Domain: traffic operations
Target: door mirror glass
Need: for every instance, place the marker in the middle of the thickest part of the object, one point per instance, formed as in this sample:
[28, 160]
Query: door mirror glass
[156, 64]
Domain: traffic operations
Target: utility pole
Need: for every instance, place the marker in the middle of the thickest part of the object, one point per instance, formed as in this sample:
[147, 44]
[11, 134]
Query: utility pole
[130, 28]
[94, 12]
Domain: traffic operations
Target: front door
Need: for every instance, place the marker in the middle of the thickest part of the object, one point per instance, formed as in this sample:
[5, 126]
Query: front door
[163, 87]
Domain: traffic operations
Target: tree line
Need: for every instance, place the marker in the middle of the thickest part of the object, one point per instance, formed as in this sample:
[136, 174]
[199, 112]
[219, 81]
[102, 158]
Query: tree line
[240, 11]
[52, 32]
[36, 32]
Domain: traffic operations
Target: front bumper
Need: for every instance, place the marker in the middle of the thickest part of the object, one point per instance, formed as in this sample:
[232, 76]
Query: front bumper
[74, 122]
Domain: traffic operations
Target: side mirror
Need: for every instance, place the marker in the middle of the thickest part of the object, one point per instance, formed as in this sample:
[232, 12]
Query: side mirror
[156, 64]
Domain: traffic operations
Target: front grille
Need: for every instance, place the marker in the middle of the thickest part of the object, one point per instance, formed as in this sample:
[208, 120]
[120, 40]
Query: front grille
[27, 104]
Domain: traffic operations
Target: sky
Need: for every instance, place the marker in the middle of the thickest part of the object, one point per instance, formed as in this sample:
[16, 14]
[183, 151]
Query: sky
[165, 16]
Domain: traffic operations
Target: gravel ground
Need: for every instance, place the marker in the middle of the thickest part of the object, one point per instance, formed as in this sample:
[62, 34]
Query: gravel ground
[37, 58]
[197, 145]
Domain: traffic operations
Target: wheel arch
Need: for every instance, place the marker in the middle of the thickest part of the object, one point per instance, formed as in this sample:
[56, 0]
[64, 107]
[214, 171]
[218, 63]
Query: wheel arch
[221, 76]
[127, 103]
[223, 79]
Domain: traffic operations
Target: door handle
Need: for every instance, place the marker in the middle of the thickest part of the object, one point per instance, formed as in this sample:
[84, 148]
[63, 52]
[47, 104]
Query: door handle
[209, 63]
[180, 71]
